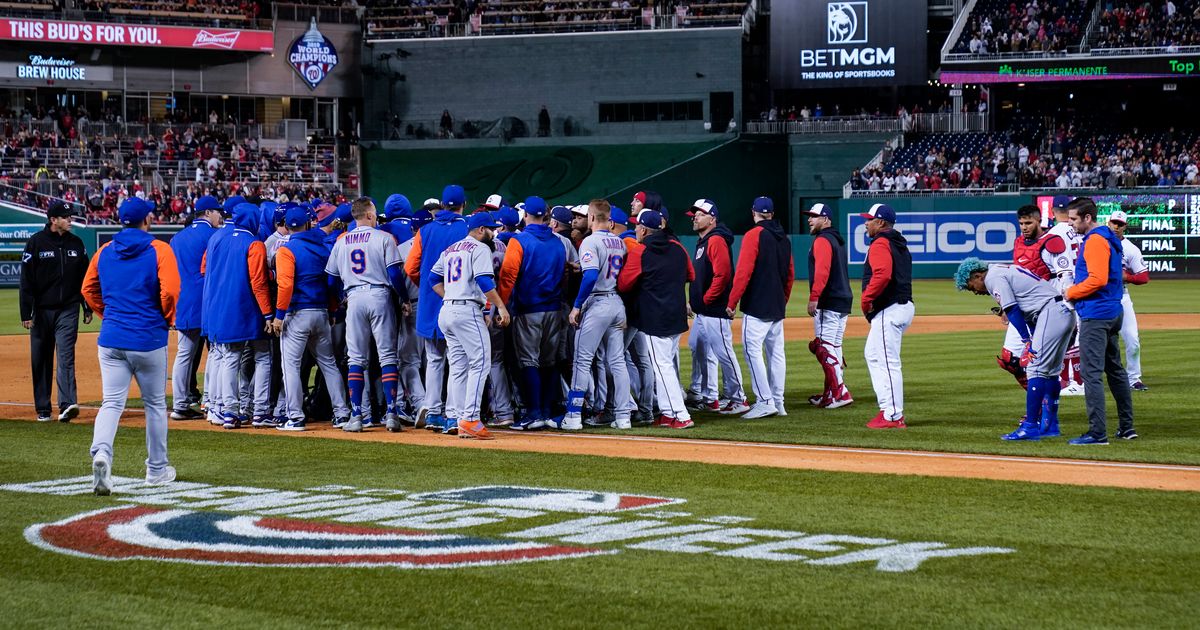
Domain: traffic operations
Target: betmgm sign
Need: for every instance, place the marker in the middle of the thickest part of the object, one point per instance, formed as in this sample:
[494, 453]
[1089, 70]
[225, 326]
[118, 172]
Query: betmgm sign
[848, 43]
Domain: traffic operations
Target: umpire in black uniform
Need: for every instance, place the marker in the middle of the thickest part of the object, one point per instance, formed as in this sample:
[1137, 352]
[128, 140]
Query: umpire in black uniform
[52, 270]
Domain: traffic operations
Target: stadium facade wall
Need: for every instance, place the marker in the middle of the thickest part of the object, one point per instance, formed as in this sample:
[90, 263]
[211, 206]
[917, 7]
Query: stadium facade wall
[489, 78]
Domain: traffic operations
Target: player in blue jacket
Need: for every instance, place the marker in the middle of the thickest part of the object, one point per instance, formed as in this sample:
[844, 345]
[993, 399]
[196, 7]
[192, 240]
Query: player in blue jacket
[189, 246]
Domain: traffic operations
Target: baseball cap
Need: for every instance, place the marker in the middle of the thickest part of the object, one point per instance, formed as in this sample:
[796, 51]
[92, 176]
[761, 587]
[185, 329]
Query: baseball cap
[507, 216]
[481, 220]
[820, 210]
[494, 202]
[430, 204]
[206, 203]
[420, 218]
[652, 219]
[763, 205]
[640, 196]
[133, 211]
[395, 207]
[1060, 201]
[454, 195]
[231, 203]
[561, 214]
[296, 217]
[535, 207]
[618, 216]
[344, 213]
[325, 214]
[1119, 216]
[707, 206]
[581, 209]
[880, 211]
[60, 210]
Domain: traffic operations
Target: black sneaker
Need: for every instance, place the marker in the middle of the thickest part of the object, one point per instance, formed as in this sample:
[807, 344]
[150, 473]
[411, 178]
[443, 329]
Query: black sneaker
[1139, 387]
[1127, 434]
[186, 414]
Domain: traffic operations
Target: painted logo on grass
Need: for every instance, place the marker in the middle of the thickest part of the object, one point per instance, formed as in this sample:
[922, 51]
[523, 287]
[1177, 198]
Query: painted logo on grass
[148, 533]
[549, 499]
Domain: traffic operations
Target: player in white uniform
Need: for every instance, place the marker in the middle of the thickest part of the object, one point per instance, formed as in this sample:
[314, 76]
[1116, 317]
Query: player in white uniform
[599, 314]
[368, 264]
[1072, 377]
[464, 277]
[1136, 272]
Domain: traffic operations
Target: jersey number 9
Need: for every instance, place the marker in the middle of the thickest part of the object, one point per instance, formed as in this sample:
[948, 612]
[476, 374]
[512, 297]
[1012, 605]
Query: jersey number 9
[358, 260]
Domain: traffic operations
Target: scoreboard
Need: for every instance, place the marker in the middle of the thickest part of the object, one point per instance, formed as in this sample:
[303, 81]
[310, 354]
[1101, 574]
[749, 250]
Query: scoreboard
[1165, 226]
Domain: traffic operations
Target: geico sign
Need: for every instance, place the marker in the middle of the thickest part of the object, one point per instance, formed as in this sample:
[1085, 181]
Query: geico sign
[835, 57]
[945, 241]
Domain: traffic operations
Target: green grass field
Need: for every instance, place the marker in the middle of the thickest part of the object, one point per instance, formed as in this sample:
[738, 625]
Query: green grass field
[933, 297]
[1081, 557]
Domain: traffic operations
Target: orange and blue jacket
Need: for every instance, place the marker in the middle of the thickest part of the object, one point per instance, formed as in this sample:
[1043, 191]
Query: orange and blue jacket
[1098, 280]
[237, 300]
[132, 283]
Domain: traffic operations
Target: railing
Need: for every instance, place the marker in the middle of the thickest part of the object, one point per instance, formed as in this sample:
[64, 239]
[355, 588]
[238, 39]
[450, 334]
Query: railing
[957, 29]
[151, 16]
[915, 123]
[103, 129]
[1003, 189]
[8, 191]
[325, 14]
[1079, 52]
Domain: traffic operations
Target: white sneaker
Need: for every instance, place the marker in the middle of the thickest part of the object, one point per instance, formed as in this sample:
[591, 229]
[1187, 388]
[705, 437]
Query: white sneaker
[780, 410]
[69, 414]
[760, 410]
[102, 481]
[215, 419]
[1074, 389]
[166, 476]
[734, 408]
[569, 422]
[621, 423]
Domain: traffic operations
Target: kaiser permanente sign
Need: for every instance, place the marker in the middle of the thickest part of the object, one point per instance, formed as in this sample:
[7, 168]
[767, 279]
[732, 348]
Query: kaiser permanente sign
[112, 34]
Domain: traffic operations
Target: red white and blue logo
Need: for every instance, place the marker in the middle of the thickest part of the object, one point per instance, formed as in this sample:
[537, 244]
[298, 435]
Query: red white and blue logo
[558, 500]
[313, 56]
[150, 533]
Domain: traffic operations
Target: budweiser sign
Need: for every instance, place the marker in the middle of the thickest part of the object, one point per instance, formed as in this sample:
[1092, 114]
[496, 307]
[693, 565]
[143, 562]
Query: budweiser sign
[216, 40]
[116, 34]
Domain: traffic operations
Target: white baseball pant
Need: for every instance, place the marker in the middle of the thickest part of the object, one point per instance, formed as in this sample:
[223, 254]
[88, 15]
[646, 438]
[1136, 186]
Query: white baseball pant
[883, 357]
[1133, 343]
[759, 335]
[714, 343]
[663, 353]
[830, 327]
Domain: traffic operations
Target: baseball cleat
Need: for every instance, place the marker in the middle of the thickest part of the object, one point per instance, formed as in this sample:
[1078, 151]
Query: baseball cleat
[621, 423]
[69, 414]
[450, 427]
[338, 423]
[165, 476]
[641, 419]
[681, 424]
[215, 419]
[528, 423]
[838, 402]
[568, 422]
[372, 423]
[355, 425]
[422, 416]
[435, 422]
[500, 423]
[1127, 434]
[102, 481]
[259, 422]
[293, 425]
[760, 410]
[880, 422]
[819, 400]
[780, 410]
[1088, 440]
[693, 400]
[393, 423]
[1139, 386]
[664, 421]
[186, 414]
[473, 429]
[600, 420]
[231, 422]
[404, 417]
[1031, 431]
[734, 408]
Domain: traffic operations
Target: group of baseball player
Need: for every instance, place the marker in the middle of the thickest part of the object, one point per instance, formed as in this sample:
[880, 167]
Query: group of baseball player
[1066, 299]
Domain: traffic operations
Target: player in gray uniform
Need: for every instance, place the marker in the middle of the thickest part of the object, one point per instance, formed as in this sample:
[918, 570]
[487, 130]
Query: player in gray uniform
[500, 388]
[1046, 325]
[464, 275]
[273, 242]
[368, 264]
[302, 318]
[599, 314]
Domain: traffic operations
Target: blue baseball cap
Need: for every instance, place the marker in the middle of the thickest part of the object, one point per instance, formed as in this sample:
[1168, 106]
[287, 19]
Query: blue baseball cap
[763, 205]
[395, 207]
[707, 206]
[206, 203]
[481, 220]
[1060, 201]
[231, 203]
[508, 217]
[652, 219]
[296, 217]
[133, 211]
[454, 195]
[420, 218]
[562, 214]
[880, 211]
[343, 213]
[536, 207]
[820, 210]
[618, 216]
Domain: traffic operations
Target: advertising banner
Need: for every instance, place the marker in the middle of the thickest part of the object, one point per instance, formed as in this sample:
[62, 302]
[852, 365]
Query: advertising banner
[1060, 69]
[848, 43]
[944, 237]
[115, 34]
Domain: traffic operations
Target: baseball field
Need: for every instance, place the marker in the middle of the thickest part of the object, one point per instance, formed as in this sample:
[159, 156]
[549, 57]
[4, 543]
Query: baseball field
[808, 520]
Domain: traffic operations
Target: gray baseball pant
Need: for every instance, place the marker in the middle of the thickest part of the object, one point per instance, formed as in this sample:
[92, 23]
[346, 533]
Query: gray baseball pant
[254, 369]
[469, 355]
[187, 354]
[501, 388]
[601, 326]
[54, 332]
[118, 368]
[309, 330]
[641, 369]
[408, 352]
[435, 374]
[1100, 354]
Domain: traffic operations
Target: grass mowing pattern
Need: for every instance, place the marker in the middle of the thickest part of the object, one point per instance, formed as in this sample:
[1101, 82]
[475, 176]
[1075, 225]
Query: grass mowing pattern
[1085, 556]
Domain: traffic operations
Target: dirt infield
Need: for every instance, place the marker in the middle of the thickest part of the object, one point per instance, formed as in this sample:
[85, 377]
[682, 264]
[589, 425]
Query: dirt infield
[16, 389]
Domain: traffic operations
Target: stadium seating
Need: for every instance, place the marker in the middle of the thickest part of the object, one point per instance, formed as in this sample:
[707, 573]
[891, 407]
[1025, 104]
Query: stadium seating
[243, 13]
[1009, 26]
[1161, 24]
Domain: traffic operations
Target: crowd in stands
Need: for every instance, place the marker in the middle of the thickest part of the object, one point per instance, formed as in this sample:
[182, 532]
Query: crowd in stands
[229, 9]
[1016, 26]
[49, 153]
[1169, 25]
[790, 113]
[1068, 158]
